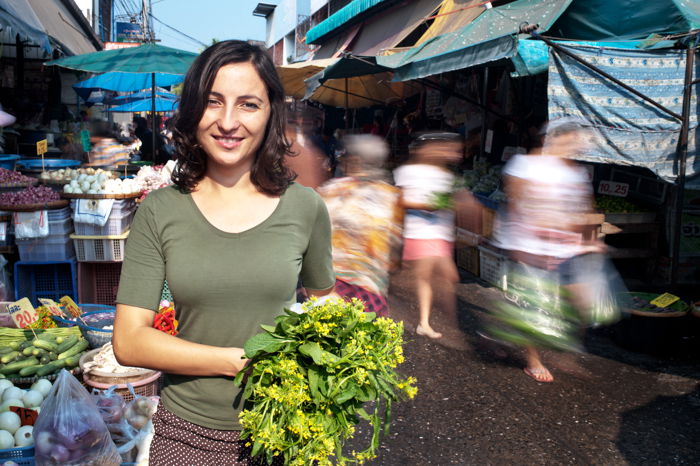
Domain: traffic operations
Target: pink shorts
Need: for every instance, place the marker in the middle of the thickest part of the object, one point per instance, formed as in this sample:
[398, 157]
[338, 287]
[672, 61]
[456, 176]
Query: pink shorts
[414, 249]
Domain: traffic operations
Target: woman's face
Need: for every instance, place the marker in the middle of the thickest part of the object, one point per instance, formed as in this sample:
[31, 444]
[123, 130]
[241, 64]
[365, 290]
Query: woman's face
[235, 118]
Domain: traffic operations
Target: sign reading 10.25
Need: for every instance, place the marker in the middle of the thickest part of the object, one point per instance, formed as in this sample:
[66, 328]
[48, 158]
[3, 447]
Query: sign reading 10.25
[613, 188]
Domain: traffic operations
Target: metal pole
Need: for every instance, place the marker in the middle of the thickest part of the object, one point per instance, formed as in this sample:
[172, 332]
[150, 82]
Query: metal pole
[682, 155]
[153, 115]
[484, 103]
[347, 113]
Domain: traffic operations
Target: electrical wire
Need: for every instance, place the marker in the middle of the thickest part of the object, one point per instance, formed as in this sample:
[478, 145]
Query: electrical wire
[180, 32]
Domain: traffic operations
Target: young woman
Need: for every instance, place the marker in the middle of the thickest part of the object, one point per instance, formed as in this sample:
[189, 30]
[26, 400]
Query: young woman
[429, 228]
[232, 237]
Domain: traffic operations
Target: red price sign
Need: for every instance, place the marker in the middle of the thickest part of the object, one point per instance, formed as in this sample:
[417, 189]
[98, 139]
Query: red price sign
[51, 305]
[22, 313]
[26, 416]
[613, 188]
[70, 306]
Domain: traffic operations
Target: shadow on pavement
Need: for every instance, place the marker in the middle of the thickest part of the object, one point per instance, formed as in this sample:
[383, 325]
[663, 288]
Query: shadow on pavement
[673, 435]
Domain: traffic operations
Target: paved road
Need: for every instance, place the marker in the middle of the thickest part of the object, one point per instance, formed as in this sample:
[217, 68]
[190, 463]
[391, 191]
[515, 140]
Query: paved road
[608, 406]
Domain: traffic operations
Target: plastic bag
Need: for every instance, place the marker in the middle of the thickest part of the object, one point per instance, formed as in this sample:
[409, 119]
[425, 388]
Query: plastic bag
[537, 311]
[6, 290]
[30, 225]
[70, 430]
[599, 285]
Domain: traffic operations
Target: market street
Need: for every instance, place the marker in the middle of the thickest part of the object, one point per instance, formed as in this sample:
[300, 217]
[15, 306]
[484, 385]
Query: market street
[610, 406]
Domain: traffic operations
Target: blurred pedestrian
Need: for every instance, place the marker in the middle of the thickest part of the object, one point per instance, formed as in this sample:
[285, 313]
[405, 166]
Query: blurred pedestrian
[427, 183]
[548, 194]
[366, 217]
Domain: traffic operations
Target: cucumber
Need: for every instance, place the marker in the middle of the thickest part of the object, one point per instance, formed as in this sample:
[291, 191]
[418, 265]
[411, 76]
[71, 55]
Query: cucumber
[79, 347]
[59, 340]
[46, 336]
[53, 356]
[38, 352]
[45, 360]
[67, 344]
[71, 361]
[50, 368]
[30, 370]
[9, 357]
[28, 351]
[18, 365]
[24, 344]
[7, 349]
[14, 345]
[45, 345]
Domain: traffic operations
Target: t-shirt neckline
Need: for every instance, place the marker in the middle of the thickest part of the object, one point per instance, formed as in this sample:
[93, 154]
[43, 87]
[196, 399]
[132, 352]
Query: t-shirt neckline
[227, 234]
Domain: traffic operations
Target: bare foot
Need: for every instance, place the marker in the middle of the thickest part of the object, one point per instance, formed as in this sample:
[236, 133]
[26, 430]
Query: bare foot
[539, 373]
[427, 332]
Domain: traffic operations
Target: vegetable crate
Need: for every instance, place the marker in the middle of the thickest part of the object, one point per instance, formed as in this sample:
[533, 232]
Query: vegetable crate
[51, 248]
[100, 248]
[467, 258]
[23, 456]
[493, 267]
[51, 280]
[98, 282]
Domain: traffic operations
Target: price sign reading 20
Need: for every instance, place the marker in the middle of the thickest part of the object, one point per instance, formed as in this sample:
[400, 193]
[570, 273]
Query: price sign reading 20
[613, 188]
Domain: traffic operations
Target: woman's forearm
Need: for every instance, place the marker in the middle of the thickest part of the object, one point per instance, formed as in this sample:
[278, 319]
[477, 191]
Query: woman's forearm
[140, 345]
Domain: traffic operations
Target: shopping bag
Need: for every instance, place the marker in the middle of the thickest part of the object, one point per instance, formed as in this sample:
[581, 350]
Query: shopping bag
[70, 430]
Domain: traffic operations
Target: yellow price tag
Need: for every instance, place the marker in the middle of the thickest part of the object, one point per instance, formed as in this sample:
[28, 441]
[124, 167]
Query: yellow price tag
[71, 307]
[664, 300]
[51, 305]
[42, 147]
[22, 313]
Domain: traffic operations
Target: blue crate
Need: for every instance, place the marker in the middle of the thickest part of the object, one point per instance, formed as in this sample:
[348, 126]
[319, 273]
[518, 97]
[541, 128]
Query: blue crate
[94, 333]
[23, 456]
[52, 280]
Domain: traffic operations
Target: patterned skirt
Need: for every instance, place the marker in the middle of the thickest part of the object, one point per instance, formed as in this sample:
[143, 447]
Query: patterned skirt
[177, 442]
[373, 302]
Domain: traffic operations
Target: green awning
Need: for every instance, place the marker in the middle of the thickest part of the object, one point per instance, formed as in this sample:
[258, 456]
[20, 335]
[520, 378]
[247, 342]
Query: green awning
[339, 18]
[490, 37]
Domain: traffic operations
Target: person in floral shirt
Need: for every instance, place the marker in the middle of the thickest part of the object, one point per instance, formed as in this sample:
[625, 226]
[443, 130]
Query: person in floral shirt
[366, 219]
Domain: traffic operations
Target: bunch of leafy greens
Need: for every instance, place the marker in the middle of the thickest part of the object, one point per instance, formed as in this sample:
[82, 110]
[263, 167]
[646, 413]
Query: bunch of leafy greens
[441, 201]
[311, 377]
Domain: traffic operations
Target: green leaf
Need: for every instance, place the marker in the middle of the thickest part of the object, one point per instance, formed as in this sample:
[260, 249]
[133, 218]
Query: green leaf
[320, 356]
[268, 328]
[256, 448]
[345, 395]
[262, 343]
[313, 385]
[363, 414]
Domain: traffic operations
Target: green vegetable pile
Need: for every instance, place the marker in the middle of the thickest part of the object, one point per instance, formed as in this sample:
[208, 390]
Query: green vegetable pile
[442, 201]
[613, 204]
[310, 377]
[45, 355]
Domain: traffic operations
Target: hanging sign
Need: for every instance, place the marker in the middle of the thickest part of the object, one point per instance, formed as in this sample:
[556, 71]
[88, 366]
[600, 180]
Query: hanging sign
[85, 140]
[613, 188]
[23, 313]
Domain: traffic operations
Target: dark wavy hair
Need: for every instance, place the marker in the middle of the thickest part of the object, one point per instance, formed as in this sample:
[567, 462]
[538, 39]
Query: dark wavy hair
[269, 172]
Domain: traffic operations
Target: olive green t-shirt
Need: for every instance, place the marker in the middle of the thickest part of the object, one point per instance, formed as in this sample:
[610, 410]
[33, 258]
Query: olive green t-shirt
[224, 285]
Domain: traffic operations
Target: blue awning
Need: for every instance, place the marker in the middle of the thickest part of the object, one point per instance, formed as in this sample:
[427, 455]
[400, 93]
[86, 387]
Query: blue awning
[490, 37]
[124, 82]
[340, 17]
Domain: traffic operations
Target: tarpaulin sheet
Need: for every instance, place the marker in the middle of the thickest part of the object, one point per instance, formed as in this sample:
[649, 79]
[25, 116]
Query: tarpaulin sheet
[628, 130]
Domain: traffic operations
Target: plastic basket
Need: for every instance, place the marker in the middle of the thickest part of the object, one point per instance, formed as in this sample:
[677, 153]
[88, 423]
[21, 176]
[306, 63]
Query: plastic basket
[100, 248]
[116, 225]
[98, 282]
[94, 332]
[148, 386]
[59, 214]
[51, 248]
[493, 267]
[60, 227]
[23, 456]
[92, 309]
[51, 280]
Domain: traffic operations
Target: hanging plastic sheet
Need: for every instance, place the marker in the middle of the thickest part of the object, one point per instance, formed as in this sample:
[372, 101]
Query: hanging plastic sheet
[630, 131]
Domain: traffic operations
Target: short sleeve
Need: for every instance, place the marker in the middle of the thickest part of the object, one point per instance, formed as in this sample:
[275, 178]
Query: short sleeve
[143, 270]
[317, 263]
